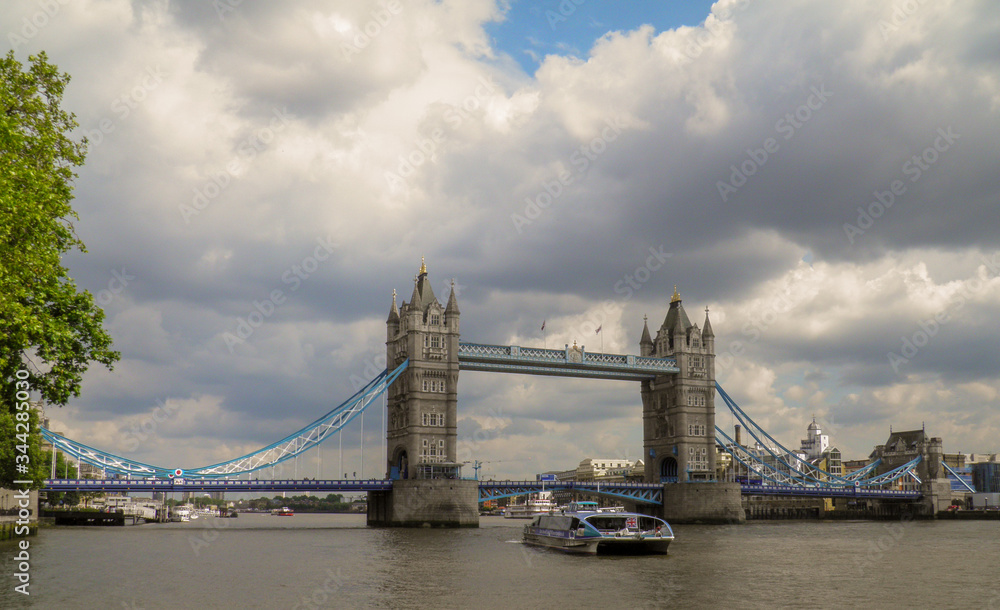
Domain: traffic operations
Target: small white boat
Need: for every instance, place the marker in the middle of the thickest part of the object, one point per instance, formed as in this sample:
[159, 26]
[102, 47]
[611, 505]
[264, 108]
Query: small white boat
[180, 513]
[540, 503]
[582, 528]
[284, 511]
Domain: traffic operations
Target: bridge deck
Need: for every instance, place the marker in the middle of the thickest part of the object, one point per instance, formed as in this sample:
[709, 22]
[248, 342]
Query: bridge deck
[568, 362]
[645, 493]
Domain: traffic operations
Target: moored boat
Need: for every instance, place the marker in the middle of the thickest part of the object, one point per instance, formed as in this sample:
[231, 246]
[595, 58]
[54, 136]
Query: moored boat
[582, 528]
[284, 511]
[540, 503]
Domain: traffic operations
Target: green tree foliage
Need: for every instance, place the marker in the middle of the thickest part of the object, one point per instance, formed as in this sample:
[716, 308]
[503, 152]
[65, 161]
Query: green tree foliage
[47, 327]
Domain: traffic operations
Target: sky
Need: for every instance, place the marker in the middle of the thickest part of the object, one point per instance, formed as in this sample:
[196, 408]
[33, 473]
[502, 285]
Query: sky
[821, 176]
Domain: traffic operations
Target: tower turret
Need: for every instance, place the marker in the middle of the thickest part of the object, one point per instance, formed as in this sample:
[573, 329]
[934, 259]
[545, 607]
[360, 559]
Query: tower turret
[645, 342]
[392, 322]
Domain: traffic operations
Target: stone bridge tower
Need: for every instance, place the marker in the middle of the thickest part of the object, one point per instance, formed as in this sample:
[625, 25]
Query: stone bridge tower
[679, 410]
[422, 403]
[422, 419]
[678, 414]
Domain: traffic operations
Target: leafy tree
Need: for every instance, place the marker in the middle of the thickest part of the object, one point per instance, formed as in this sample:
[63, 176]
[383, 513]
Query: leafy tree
[48, 328]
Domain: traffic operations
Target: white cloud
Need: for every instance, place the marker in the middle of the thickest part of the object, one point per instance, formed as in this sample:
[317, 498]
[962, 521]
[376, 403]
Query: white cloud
[428, 96]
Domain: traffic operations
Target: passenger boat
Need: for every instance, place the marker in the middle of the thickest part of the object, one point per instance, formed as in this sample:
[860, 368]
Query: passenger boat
[536, 504]
[581, 527]
[284, 511]
[180, 513]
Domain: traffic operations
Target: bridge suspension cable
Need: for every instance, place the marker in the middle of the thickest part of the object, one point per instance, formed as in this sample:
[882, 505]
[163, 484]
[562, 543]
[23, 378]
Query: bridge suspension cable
[287, 448]
[776, 468]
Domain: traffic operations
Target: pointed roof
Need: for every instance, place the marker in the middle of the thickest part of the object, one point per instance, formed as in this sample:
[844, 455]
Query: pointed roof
[452, 307]
[677, 318]
[707, 332]
[415, 297]
[424, 286]
[645, 340]
[393, 311]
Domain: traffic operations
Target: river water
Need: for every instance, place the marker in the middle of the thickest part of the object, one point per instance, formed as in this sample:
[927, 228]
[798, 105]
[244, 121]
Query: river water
[310, 561]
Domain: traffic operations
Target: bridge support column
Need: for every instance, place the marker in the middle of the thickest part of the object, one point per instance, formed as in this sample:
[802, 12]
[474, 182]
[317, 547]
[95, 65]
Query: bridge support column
[425, 503]
[717, 503]
[937, 496]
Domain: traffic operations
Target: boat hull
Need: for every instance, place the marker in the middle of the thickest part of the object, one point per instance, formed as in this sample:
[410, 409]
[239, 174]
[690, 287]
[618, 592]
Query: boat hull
[606, 545]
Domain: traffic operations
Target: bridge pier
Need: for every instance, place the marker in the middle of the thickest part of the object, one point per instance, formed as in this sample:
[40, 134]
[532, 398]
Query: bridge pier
[711, 503]
[425, 503]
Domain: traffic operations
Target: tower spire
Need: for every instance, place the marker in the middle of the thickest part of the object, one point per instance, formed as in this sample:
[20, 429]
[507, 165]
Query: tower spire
[677, 295]
[394, 310]
[707, 330]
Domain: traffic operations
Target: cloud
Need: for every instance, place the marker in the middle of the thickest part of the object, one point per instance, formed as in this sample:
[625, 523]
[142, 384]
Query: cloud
[252, 136]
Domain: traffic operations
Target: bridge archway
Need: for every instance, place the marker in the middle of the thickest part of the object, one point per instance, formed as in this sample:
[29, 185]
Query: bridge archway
[400, 468]
[668, 470]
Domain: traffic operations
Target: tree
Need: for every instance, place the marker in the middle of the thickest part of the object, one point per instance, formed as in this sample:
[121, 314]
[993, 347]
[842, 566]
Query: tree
[50, 331]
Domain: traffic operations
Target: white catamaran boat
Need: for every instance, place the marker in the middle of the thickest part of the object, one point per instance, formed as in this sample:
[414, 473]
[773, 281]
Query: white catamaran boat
[583, 528]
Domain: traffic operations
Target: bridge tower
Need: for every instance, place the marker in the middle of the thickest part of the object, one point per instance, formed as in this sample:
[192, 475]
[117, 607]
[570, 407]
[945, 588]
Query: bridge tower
[421, 430]
[679, 422]
[422, 418]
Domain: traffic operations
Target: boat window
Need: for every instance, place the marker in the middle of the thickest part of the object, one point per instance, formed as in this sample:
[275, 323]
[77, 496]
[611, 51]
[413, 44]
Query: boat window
[607, 523]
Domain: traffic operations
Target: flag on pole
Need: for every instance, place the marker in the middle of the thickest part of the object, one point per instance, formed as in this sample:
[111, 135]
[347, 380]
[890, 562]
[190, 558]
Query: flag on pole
[599, 329]
[543, 324]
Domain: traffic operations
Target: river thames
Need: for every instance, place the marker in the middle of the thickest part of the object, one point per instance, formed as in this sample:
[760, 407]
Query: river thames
[334, 561]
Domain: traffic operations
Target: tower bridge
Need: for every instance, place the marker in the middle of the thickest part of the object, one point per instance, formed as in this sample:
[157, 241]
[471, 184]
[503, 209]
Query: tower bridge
[675, 369]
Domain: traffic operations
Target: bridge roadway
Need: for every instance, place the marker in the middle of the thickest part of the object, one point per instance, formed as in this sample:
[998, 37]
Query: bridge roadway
[643, 493]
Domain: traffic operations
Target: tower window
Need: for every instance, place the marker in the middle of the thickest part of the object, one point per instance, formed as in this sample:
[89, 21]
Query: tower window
[696, 400]
[435, 319]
